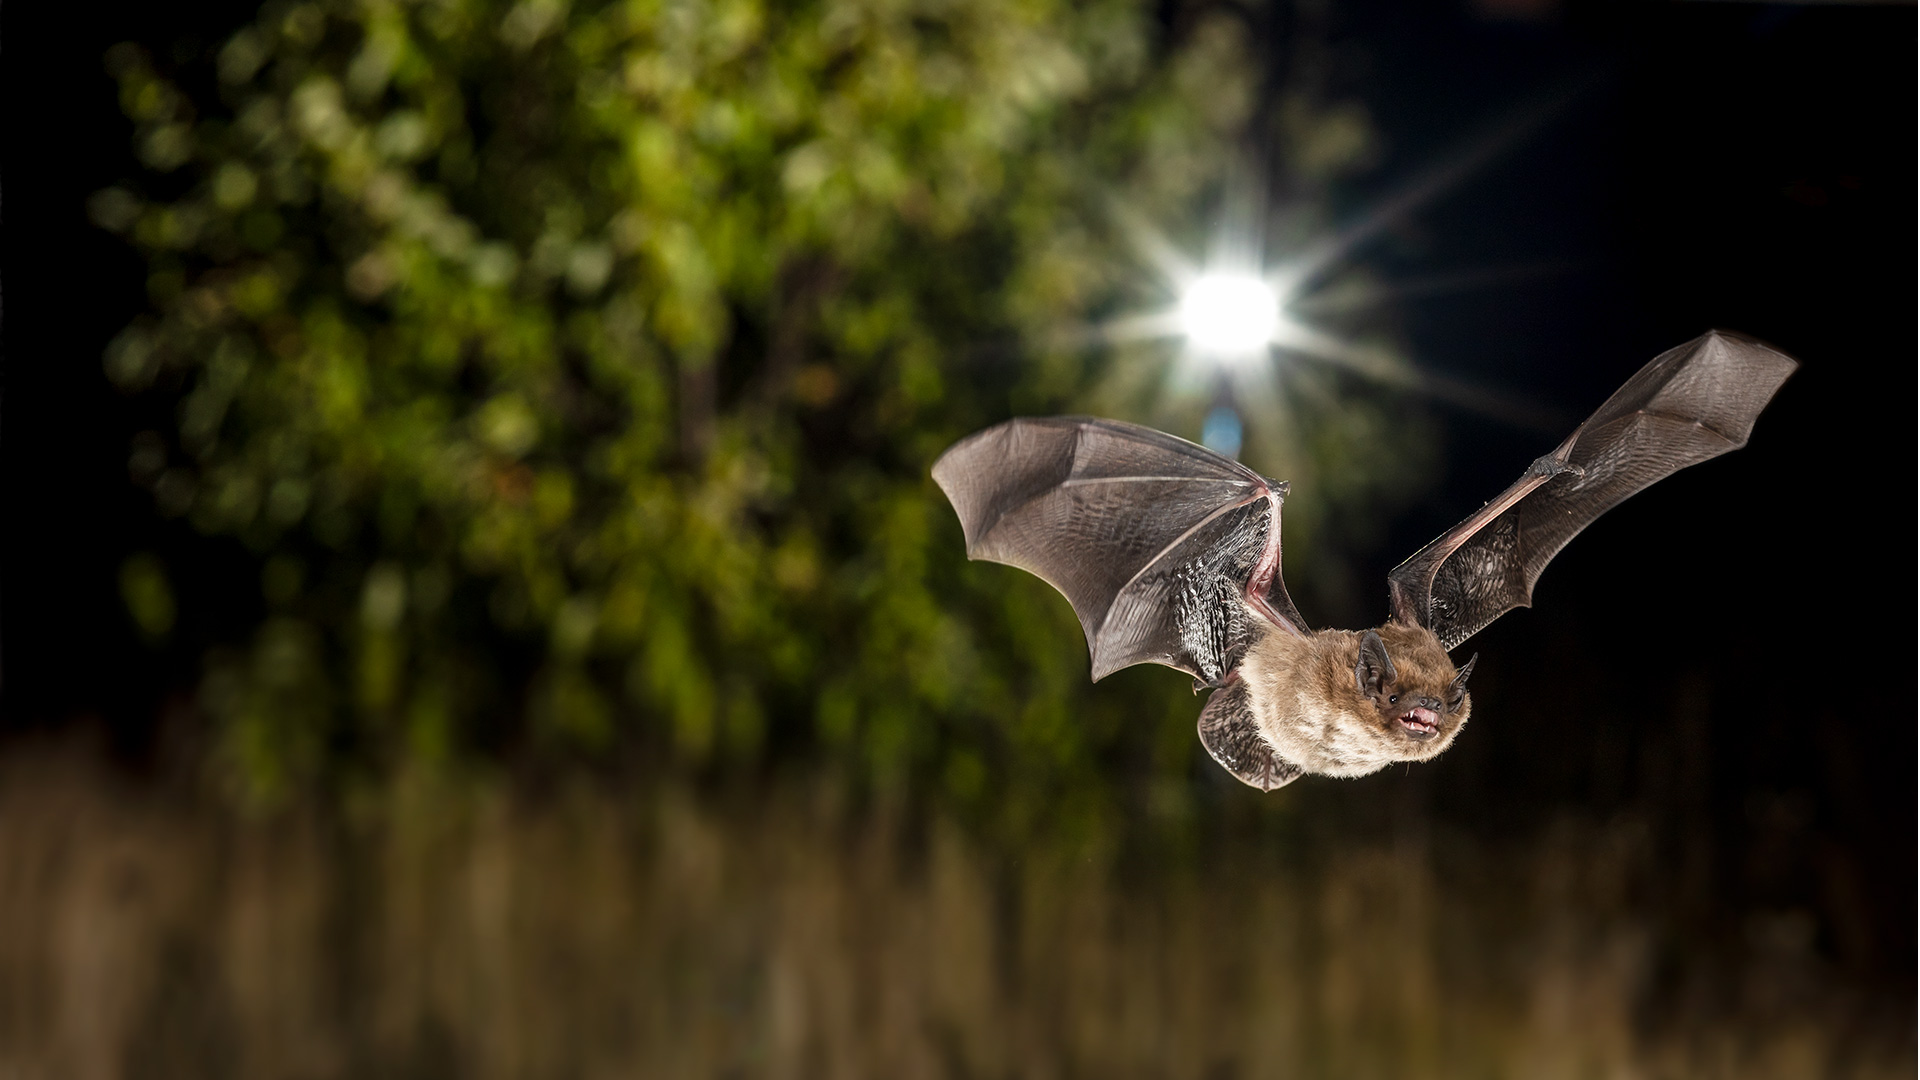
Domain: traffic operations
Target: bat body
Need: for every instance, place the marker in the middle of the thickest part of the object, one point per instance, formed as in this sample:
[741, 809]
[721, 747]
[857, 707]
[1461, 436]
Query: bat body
[1304, 699]
[1170, 554]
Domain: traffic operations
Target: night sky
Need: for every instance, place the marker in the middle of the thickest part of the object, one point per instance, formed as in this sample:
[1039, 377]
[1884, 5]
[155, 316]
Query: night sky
[1738, 638]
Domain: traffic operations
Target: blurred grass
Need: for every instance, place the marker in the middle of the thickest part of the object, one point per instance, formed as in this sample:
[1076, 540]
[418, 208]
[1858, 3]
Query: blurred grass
[587, 932]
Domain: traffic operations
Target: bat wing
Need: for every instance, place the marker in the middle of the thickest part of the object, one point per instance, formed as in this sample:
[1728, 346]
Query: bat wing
[1158, 544]
[1687, 405]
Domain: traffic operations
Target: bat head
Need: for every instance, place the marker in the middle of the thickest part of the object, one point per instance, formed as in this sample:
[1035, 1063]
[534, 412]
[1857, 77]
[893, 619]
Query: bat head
[1416, 696]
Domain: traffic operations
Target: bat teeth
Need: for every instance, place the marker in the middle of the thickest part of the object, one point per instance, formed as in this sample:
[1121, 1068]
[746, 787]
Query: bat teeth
[1421, 723]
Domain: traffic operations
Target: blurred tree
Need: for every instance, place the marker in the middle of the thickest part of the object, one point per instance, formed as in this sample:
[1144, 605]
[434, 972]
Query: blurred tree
[574, 369]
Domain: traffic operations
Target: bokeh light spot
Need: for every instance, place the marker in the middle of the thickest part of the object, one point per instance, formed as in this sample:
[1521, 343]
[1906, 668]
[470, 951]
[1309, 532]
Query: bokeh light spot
[1232, 314]
[1222, 431]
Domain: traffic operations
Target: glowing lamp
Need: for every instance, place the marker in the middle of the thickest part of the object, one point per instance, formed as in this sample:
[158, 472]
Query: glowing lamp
[1230, 313]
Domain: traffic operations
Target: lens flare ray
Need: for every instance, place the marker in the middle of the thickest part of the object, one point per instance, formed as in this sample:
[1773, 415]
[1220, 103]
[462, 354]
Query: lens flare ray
[1238, 307]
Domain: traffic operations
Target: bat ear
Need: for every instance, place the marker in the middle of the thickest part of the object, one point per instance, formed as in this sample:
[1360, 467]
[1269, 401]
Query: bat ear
[1373, 670]
[1457, 690]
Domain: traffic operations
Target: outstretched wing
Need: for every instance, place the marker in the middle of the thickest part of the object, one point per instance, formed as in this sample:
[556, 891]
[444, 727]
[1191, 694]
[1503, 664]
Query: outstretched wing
[1156, 542]
[1689, 404]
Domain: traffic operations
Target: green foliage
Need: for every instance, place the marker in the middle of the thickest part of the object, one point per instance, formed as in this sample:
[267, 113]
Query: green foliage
[575, 370]
[148, 596]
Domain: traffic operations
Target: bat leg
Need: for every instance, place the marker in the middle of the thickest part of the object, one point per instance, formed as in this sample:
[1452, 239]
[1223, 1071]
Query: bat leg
[1228, 731]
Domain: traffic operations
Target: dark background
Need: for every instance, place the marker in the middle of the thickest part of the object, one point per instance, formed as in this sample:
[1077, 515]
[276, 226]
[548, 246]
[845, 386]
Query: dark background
[1728, 655]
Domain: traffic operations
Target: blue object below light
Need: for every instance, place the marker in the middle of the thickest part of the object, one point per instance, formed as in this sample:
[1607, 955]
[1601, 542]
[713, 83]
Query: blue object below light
[1221, 432]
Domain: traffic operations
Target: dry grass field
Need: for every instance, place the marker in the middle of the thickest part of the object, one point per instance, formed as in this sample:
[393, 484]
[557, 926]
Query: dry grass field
[594, 935]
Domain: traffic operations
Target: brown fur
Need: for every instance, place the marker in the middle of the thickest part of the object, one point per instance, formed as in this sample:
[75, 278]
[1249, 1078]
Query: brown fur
[1311, 711]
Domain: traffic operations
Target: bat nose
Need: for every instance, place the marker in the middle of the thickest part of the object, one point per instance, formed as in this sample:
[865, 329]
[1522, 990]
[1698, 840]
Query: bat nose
[1428, 703]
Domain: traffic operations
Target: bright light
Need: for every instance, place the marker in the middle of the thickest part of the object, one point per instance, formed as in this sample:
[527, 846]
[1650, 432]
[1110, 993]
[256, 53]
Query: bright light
[1230, 313]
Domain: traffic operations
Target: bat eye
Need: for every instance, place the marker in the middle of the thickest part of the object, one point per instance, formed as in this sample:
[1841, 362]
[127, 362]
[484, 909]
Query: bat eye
[1391, 698]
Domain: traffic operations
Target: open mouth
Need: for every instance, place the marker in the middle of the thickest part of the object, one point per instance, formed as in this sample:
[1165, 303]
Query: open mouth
[1421, 723]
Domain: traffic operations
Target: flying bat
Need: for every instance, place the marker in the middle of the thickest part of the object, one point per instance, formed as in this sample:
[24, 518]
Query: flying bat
[1170, 554]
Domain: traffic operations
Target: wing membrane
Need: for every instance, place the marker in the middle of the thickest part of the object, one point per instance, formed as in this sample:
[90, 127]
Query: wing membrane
[1152, 539]
[1232, 736]
[1686, 406]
